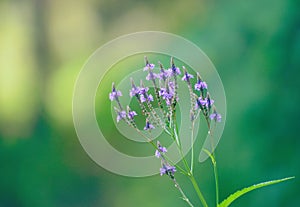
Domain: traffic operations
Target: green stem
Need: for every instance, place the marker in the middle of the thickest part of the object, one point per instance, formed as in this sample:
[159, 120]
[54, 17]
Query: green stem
[192, 150]
[216, 181]
[182, 193]
[198, 191]
[213, 161]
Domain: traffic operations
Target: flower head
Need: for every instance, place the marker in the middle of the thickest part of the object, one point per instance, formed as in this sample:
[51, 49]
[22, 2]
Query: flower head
[152, 76]
[130, 114]
[143, 90]
[148, 66]
[163, 75]
[146, 97]
[215, 116]
[173, 71]
[186, 76]
[160, 150]
[200, 85]
[114, 94]
[168, 92]
[134, 90]
[148, 126]
[205, 102]
[168, 170]
[120, 115]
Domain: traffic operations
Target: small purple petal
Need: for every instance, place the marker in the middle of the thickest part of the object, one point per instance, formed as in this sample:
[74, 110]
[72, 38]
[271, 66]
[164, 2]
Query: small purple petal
[215, 116]
[152, 76]
[143, 90]
[166, 169]
[148, 126]
[149, 66]
[162, 149]
[131, 114]
[114, 95]
[157, 154]
[121, 115]
[162, 171]
[150, 98]
[174, 71]
[134, 91]
[142, 98]
[200, 85]
[187, 77]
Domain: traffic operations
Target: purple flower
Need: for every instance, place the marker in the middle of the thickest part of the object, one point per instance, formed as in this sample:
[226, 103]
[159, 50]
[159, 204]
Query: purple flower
[143, 90]
[215, 116]
[152, 76]
[174, 71]
[131, 114]
[167, 94]
[149, 66]
[146, 97]
[204, 102]
[168, 170]
[200, 85]
[114, 94]
[121, 115]
[160, 150]
[150, 98]
[134, 90]
[148, 126]
[186, 76]
[163, 75]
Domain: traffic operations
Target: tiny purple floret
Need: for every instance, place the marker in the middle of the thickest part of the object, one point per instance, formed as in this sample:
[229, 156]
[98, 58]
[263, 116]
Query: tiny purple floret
[121, 115]
[205, 102]
[151, 76]
[131, 114]
[174, 71]
[149, 66]
[148, 126]
[166, 169]
[200, 85]
[114, 94]
[215, 116]
[161, 150]
[143, 90]
[187, 77]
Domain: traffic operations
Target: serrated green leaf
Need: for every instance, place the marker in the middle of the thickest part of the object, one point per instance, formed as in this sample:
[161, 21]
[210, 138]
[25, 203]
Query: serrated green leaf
[239, 193]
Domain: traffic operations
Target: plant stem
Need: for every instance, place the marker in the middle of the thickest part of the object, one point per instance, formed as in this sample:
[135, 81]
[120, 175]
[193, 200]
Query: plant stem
[198, 191]
[215, 166]
[214, 163]
[216, 181]
[182, 193]
[192, 150]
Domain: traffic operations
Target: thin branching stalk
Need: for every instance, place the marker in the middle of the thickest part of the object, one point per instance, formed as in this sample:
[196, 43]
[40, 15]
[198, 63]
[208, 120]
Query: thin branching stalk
[184, 197]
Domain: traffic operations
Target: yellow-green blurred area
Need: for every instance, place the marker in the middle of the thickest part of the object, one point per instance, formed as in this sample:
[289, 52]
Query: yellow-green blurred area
[255, 46]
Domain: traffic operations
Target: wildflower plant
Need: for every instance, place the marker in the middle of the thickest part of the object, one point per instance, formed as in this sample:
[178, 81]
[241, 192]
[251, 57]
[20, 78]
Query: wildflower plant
[165, 95]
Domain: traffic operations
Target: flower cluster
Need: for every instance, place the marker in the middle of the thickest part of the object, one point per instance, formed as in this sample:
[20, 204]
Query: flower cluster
[166, 167]
[165, 85]
[165, 96]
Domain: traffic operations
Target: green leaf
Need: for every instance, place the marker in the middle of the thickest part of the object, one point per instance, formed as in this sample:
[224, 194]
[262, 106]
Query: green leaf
[239, 193]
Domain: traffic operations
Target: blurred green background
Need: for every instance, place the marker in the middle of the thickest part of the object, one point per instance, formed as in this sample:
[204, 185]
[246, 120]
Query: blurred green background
[255, 46]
